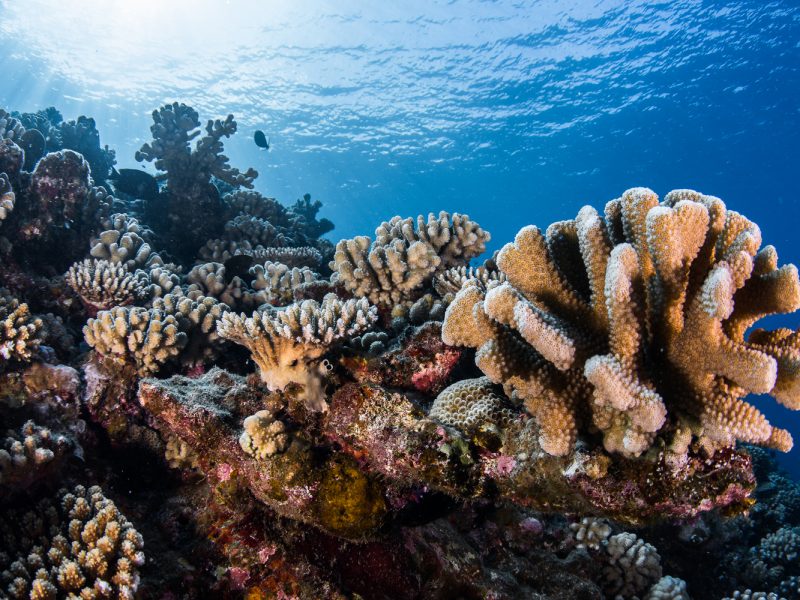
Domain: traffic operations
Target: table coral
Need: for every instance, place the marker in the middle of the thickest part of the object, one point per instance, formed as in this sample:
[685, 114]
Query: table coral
[637, 322]
[284, 343]
[81, 545]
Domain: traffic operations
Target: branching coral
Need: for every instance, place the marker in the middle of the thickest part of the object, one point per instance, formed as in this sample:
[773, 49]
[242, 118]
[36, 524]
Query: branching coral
[304, 256]
[403, 259]
[634, 565]
[23, 453]
[591, 532]
[193, 202]
[208, 279]
[276, 282]
[102, 284]
[7, 197]
[20, 333]
[259, 232]
[284, 342]
[147, 338]
[79, 547]
[249, 202]
[81, 135]
[448, 283]
[197, 317]
[124, 242]
[263, 435]
[638, 320]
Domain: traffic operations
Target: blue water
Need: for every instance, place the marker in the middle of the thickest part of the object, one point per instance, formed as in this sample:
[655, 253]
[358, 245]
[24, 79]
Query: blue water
[513, 112]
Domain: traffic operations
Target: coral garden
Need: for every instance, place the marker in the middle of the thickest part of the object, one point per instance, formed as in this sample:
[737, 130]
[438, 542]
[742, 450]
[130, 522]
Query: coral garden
[201, 396]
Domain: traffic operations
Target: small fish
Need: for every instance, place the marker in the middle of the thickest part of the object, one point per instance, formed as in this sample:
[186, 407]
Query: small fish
[237, 266]
[261, 140]
[33, 143]
[135, 183]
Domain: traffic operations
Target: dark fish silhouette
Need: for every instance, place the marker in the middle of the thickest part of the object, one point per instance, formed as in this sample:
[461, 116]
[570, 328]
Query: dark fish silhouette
[33, 143]
[261, 140]
[135, 183]
[237, 266]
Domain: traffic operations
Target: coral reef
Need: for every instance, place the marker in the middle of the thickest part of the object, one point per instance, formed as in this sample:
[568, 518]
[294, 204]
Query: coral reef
[282, 418]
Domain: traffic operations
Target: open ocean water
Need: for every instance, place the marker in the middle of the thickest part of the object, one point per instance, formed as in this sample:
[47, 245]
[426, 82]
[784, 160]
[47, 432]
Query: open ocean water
[513, 112]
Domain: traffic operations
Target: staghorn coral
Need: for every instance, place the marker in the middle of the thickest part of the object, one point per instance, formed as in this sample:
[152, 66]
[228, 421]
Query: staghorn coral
[403, 259]
[124, 242]
[20, 333]
[276, 283]
[470, 405]
[193, 203]
[283, 343]
[263, 435]
[7, 197]
[146, 338]
[102, 284]
[80, 546]
[633, 565]
[637, 320]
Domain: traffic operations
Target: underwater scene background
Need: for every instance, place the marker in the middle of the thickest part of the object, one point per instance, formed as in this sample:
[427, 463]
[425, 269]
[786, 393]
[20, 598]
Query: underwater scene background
[205, 393]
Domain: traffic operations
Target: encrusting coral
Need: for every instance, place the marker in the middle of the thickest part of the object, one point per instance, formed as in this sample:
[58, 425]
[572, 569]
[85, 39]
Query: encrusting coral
[403, 258]
[636, 323]
[80, 546]
[285, 342]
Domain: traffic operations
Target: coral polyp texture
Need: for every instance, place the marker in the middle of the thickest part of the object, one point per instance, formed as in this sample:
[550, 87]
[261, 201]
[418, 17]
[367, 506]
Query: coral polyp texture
[634, 324]
[396, 416]
[80, 546]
